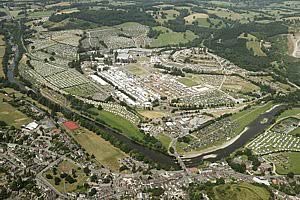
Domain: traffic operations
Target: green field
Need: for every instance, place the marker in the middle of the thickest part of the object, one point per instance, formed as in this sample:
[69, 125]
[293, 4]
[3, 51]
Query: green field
[66, 167]
[124, 126]
[39, 14]
[11, 115]
[173, 38]
[290, 112]
[190, 82]
[164, 139]
[244, 191]
[295, 132]
[290, 163]
[253, 43]
[244, 118]
[103, 151]
[136, 69]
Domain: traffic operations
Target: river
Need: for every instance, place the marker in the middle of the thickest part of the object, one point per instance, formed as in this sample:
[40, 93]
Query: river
[254, 128]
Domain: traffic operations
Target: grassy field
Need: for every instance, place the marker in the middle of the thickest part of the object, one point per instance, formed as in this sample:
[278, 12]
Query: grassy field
[164, 139]
[237, 84]
[295, 132]
[103, 151]
[190, 82]
[136, 69]
[244, 118]
[290, 112]
[189, 19]
[11, 115]
[170, 15]
[67, 167]
[173, 38]
[238, 191]
[119, 123]
[290, 162]
[253, 43]
[39, 14]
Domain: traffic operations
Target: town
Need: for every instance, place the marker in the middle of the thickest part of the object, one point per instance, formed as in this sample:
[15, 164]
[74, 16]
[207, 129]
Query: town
[168, 100]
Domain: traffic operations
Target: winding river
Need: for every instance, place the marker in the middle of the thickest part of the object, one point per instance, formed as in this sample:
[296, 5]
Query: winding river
[254, 128]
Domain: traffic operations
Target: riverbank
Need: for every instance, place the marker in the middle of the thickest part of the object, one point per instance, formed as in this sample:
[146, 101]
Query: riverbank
[215, 148]
[254, 128]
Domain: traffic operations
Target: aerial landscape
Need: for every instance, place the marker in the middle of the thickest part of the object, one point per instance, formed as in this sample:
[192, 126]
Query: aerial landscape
[150, 99]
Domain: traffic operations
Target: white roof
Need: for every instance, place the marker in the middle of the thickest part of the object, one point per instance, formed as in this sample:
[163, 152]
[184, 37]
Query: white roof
[31, 126]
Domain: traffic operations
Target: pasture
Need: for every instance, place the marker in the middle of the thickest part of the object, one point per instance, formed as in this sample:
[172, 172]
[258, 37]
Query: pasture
[104, 152]
[173, 38]
[123, 125]
[285, 162]
[191, 18]
[11, 115]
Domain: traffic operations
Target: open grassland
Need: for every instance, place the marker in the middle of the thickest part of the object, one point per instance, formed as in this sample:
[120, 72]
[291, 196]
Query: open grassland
[124, 126]
[189, 19]
[64, 186]
[238, 191]
[11, 115]
[164, 139]
[151, 114]
[173, 38]
[104, 152]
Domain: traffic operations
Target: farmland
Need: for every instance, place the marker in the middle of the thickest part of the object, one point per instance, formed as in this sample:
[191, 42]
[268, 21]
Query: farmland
[103, 151]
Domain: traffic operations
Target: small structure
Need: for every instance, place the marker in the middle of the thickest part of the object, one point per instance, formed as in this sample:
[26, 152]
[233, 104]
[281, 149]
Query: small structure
[31, 126]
